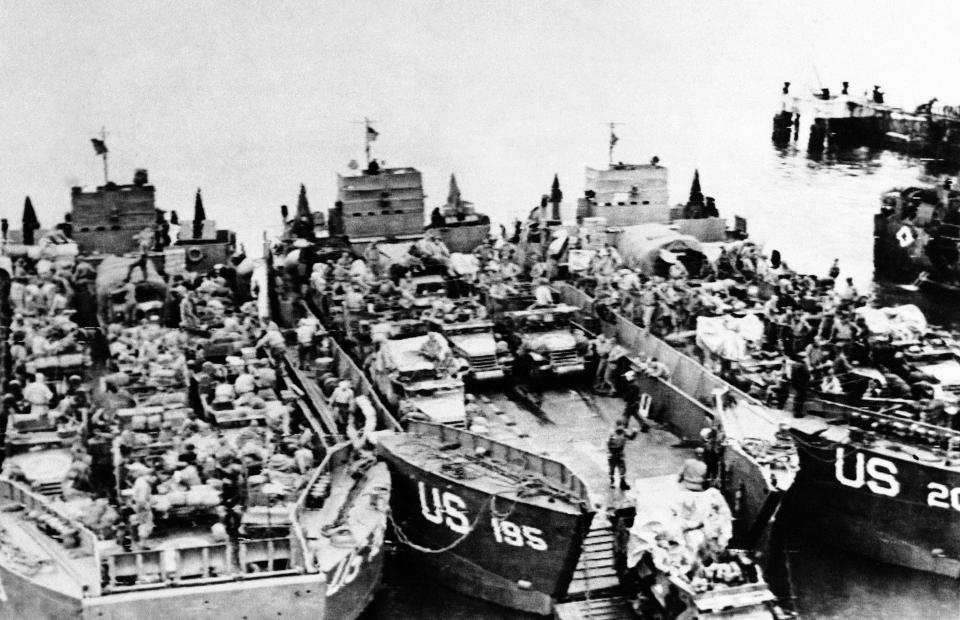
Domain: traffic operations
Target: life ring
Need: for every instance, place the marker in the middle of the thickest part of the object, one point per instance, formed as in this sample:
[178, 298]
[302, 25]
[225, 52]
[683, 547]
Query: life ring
[905, 236]
[195, 255]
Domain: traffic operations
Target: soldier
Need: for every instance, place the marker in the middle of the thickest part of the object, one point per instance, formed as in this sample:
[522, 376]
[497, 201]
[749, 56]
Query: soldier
[615, 457]
[39, 396]
[693, 475]
[602, 346]
[306, 331]
[342, 400]
[471, 409]
[834, 272]
[631, 408]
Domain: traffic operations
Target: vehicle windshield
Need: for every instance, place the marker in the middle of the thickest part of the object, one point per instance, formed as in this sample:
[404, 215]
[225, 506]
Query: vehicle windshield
[543, 322]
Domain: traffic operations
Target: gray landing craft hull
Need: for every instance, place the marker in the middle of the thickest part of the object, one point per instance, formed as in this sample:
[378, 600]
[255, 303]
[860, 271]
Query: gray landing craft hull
[895, 510]
[515, 571]
[350, 600]
[300, 597]
[303, 597]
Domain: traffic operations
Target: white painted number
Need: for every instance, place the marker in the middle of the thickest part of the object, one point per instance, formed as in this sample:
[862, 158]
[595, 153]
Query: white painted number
[450, 510]
[942, 496]
[344, 572]
[348, 569]
[518, 536]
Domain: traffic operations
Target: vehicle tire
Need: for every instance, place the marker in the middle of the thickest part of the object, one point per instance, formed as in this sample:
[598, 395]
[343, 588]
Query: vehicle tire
[195, 255]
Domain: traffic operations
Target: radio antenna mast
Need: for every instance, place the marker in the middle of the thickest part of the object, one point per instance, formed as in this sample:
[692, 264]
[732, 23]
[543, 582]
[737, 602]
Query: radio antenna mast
[613, 140]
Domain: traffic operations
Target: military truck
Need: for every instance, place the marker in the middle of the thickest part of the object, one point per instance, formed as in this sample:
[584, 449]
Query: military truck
[488, 356]
[419, 379]
[544, 341]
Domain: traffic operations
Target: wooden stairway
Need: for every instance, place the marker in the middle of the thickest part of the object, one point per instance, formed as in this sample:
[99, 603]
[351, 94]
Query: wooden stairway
[595, 574]
[610, 608]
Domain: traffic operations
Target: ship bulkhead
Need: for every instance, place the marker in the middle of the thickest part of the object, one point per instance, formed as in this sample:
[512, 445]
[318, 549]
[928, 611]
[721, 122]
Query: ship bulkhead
[885, 506]
[516, 553]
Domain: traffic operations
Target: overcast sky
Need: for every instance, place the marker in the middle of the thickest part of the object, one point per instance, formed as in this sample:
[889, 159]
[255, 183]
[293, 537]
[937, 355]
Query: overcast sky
[248, 99]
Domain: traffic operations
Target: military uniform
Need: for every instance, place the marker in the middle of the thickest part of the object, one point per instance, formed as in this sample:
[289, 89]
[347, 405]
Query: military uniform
[615, 457]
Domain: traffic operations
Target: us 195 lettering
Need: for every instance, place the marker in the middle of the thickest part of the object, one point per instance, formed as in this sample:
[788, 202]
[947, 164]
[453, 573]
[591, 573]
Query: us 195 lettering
[450, 510]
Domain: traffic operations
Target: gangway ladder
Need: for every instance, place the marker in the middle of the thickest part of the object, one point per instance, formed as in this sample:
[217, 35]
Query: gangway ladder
[608, 608]
[595, 574]
[594, 592]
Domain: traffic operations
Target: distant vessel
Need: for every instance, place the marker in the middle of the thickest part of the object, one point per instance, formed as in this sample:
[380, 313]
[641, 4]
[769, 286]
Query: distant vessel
[916, 237]
[845, 122]
[625, 195]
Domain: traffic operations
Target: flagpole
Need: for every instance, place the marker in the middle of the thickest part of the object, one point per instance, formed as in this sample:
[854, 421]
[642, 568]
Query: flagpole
[610, 150]
[103, 136]
[366, 137]
[613, 140]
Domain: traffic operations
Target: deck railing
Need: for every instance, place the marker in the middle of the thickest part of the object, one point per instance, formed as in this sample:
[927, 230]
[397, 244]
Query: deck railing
[203, 564]
[687, 392]
[555, 473]
[34, 502]
[347, 369]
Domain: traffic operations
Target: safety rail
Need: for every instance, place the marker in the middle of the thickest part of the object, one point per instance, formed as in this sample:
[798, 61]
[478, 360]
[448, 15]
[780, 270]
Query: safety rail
[689, 389]
[203, 564]
[554, 472]
[340, 452]
[685, 372]
[347, 369]
[260, 556]
[325, 468]
[32, 502]
[153, 568]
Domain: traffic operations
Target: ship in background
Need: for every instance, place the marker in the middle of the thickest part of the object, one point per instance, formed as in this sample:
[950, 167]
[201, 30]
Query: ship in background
[916, 237]
[627, 207]
[625, 195]
[386, 205]
[844, 122]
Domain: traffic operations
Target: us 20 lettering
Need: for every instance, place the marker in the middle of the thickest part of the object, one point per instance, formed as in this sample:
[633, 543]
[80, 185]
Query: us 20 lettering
[443, 508]
[507, 532]
[942, 496]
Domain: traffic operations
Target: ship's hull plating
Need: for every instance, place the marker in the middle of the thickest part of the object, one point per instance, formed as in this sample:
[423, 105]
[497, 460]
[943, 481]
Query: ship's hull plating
[350, 600]
[297, 596]
[895, 510]
[526, 564]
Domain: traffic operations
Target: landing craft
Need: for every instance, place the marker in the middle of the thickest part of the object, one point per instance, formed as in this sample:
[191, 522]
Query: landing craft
[69, 548]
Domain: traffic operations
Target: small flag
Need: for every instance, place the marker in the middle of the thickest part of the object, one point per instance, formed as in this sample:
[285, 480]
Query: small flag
[613, 139]
[353, 165]
[99, 146]
[372, 134]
